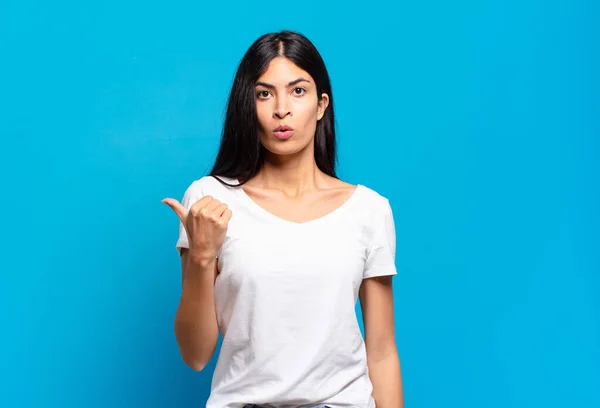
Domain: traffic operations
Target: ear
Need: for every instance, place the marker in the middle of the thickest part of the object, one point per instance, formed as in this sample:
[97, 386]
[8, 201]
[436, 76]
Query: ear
[322, 106]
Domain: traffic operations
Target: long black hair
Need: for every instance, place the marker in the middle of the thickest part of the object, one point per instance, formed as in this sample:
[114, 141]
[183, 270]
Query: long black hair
[241, 155]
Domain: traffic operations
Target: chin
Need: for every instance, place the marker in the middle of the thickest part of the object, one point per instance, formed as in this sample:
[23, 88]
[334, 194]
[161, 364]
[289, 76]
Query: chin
[284, 148]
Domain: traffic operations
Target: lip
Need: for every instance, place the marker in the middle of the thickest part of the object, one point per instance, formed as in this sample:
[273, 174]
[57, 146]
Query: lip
[282, 128]
[283, 134]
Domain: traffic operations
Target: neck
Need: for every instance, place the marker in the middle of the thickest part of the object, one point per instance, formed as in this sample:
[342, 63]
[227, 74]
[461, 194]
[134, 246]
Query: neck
[292, 174]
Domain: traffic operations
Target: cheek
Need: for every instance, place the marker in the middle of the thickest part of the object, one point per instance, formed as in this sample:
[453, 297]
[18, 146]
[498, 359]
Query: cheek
[305, 108]
[308, 115]
[263, 114]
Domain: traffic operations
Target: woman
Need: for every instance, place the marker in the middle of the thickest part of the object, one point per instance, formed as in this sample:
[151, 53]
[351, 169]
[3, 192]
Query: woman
[276, 250]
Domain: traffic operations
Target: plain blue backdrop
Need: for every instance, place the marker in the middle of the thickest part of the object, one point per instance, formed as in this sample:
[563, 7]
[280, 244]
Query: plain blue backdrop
[478, 120]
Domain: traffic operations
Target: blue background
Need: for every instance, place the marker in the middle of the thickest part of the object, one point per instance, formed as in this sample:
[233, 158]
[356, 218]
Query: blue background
[478, 120]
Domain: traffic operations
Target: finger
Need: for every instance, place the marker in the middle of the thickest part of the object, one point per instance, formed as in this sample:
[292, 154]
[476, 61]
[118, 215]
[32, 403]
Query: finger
[198, 205]
[219, 210]
[177, 207]
[210, 207]
[226, 216]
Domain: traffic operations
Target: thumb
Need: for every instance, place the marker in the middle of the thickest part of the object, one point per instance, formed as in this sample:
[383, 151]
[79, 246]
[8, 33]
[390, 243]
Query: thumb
[177, 207]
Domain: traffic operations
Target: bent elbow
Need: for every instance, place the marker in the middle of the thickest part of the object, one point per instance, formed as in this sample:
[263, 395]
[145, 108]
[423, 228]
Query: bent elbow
[194, 364]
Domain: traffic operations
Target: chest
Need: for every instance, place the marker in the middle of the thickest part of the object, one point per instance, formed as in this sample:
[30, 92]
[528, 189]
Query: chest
[317, 259]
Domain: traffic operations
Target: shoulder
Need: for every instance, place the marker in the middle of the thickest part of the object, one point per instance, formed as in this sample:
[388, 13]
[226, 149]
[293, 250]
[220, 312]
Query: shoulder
[377, 215]
[367, 196]
[210, 183]
[374, 201]
[207, 185]
[378, 218]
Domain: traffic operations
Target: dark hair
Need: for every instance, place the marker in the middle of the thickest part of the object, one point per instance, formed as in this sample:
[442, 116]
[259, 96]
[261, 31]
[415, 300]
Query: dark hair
[241, 155]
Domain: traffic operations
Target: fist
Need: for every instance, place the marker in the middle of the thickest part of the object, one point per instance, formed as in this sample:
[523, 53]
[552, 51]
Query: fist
[205, 225]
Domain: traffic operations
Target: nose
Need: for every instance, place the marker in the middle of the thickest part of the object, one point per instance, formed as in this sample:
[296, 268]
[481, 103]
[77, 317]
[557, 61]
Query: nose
[281, 109]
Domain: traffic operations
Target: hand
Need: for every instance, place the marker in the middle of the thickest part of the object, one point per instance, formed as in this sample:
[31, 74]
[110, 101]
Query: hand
[205, 224]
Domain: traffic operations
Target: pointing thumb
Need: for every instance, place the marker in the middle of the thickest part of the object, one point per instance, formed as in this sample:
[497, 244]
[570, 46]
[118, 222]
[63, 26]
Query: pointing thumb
[177, 207]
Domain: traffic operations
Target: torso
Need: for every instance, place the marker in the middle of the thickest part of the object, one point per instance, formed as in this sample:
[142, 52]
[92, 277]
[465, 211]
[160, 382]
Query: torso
[285, 297]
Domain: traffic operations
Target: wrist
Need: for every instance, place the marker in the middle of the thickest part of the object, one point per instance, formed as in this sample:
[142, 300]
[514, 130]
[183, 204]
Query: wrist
[201, 258]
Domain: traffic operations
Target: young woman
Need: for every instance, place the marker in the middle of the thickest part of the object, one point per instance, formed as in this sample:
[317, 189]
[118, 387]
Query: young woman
[276, 250]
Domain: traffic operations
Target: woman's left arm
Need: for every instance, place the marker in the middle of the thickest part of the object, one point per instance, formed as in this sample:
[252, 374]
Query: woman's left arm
[377, 306]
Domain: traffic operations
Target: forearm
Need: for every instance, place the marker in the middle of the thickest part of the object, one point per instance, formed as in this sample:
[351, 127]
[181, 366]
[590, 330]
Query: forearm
[386, 377]
[196, 328]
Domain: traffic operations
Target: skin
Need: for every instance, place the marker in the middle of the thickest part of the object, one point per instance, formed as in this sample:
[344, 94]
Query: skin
[290, 186]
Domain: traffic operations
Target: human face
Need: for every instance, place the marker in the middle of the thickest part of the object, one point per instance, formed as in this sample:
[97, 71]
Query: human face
[286, 95]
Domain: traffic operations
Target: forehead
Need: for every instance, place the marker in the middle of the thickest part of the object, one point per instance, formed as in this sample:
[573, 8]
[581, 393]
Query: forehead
[282, 70]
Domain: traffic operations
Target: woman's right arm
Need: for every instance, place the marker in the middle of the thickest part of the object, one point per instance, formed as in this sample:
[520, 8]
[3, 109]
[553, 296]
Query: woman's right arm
[196, 329]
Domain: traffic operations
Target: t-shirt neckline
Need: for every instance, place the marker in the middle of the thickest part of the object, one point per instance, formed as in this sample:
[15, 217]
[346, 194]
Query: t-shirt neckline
[332, 214]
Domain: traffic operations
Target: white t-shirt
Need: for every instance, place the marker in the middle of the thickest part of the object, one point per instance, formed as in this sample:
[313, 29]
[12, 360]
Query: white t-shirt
[285, 300]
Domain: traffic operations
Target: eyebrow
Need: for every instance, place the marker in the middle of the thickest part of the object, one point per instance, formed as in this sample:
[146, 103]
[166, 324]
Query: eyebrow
[294, 82]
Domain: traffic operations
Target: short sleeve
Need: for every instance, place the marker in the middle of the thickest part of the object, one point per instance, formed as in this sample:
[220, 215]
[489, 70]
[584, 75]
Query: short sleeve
[192, 194]
[381, 252]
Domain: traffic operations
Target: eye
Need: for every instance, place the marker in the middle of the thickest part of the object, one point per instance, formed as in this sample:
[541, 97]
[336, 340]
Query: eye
[262, 94]
[299, 91]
